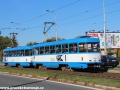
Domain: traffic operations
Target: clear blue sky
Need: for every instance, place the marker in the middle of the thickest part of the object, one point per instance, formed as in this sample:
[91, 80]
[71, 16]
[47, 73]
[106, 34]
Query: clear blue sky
[74, 18]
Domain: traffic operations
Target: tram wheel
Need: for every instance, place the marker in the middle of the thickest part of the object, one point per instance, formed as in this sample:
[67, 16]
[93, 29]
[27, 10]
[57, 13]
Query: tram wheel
[20, 66]
[105, 69]
[40, 67]
[63, 68]
[71, 69]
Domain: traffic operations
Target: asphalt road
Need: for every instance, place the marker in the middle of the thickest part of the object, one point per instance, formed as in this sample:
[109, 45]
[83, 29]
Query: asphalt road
[15, 81]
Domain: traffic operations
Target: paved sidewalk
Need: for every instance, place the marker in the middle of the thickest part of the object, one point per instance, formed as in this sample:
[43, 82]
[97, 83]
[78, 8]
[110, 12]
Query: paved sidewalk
[114, 71]
[118, 65]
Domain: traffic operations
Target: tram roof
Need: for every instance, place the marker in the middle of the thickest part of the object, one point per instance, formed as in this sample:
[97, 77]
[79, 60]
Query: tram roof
[75, 40]
[18, 48]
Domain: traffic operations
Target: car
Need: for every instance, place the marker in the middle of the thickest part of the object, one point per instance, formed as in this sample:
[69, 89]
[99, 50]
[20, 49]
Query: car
[109, 61]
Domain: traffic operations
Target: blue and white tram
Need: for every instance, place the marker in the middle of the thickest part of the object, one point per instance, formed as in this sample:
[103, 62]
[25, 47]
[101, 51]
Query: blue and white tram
[18, 56]
[78, 53]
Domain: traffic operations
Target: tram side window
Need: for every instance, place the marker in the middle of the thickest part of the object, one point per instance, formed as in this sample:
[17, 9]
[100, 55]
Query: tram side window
[73, 47]
[35, 51]
[95, 47]
[21, 52]
[41, 50]
[52, 49]
[47, 50]
[10, 53]
[58, 48]
[82, 47]
[13, 53]
[5, 54]
[28, 52]
[18, 52]
[64, 48]
[89, 48]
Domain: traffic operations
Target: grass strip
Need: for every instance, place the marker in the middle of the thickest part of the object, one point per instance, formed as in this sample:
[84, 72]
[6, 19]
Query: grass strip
[93, 80]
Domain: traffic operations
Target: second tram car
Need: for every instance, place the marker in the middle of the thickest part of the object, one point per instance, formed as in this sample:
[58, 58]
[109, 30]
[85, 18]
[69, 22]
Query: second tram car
[18, 56]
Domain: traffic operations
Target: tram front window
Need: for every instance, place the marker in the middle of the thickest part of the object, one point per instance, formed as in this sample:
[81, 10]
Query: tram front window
[93, 47]
[89, 47]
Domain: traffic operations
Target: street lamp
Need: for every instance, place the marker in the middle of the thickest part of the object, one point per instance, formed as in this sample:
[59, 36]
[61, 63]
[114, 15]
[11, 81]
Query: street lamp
[55, 23]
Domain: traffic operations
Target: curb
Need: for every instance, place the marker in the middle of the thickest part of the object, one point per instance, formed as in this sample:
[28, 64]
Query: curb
[89, 85]
[65, 81]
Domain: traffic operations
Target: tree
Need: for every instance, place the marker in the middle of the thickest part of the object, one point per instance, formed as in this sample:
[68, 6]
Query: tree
[53, 39]
[118, 54]
[14, 41]
[4, 43]
[78, 36]
[31, 43]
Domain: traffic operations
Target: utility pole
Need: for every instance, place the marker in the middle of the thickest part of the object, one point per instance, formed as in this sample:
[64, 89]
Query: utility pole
[0, 40]
[104, 12]
[13, 37]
